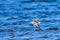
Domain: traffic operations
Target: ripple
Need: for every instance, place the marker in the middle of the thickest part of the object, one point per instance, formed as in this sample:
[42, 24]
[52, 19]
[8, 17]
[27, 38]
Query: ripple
[52, 29]
[5, 24]
[11, 18]
[29, 8]
[1, 30]
[10, 30]
[44, 36]
[57, 39]
[38, 1]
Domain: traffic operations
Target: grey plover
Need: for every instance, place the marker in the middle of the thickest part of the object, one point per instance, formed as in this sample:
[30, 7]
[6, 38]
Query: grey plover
[36, 23]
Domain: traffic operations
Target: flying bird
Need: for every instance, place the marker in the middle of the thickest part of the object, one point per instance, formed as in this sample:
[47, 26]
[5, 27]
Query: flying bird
[36, 23]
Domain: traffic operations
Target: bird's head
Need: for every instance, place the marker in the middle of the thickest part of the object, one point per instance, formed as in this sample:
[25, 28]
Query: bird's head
[34, 19]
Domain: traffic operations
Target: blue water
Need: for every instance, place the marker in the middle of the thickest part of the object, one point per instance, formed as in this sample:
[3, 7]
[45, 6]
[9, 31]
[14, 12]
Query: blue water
[16, 15]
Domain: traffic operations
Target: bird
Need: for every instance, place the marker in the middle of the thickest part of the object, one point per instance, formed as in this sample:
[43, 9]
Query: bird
[36, 23]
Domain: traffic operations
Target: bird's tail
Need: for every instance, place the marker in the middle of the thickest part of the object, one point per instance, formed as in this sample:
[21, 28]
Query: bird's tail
[38, 28]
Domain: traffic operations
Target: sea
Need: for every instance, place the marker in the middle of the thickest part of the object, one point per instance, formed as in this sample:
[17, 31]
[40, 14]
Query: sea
[16, 15]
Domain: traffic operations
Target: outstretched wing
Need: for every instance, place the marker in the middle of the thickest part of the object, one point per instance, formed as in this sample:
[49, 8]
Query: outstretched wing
[31, 22]
[39, 22]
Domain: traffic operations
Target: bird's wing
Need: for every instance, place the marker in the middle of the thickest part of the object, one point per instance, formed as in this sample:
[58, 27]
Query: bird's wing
[39, 22]
[31, 22]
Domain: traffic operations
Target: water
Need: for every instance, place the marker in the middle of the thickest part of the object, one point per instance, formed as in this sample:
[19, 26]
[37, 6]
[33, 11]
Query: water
[16, 15]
